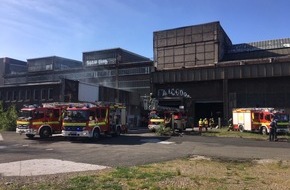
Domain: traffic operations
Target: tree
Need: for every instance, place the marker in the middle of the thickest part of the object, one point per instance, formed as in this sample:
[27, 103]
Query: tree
[11, 117]
[8, 118]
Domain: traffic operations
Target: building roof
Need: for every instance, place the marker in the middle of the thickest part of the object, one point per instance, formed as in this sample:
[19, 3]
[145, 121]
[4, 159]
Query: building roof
[116, 50]
[51, 57]
[13, 65]
[111, 57]
[258, 50]
[261, 45]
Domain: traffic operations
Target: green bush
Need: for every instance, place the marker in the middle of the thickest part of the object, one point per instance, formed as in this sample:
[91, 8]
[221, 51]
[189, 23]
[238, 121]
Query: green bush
[8, 118]
[163, 130]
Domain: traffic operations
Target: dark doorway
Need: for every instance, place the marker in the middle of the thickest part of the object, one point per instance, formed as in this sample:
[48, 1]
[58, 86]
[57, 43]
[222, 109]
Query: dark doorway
[208, 110]
[174, 102]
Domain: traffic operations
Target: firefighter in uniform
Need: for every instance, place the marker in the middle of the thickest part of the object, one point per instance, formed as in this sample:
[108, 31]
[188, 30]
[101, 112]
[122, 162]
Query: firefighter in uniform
[205, 123]
[230, 122]
[211, 123]
[200, 125]
[273, 128]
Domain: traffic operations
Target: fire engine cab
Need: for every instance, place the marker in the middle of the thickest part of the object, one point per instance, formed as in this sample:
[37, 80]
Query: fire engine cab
[93, 120]
[166, 116]
[258, 119]
[43, 120]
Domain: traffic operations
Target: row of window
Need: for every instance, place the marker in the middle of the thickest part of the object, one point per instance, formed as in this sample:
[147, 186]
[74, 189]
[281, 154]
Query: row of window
[80, 75]
[26, 95]
[127, 84]
[123, 72]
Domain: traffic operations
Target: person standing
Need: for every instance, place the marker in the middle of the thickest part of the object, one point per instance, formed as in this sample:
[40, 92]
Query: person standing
[205, 123]
[200, 125]
[211, 123]
[273, 128]
[230, 123]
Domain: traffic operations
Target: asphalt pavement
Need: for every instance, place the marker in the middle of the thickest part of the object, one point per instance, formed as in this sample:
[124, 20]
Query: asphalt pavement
[20, 156]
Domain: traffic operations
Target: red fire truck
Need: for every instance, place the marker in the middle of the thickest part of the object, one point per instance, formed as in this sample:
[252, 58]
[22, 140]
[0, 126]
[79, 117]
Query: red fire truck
[165, 116]
[43, 120]
[258, 119]
[93, 120]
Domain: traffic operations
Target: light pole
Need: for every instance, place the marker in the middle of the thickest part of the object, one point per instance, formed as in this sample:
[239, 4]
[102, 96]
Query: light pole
[118, 59]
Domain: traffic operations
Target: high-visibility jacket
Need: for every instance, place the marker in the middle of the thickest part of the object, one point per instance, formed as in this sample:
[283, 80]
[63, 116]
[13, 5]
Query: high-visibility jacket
[200, 123]
[205, 122]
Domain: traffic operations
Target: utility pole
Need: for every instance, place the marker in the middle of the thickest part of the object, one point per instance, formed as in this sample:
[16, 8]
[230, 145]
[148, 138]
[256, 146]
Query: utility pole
[118, 59]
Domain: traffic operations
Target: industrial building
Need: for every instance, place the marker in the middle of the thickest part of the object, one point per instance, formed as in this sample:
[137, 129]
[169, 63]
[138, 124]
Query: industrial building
[196, 67]
[118, 68]
[199, 68]
[11, 66]
[117, 75]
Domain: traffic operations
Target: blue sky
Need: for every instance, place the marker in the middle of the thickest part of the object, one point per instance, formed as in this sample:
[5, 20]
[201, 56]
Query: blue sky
[67, 28]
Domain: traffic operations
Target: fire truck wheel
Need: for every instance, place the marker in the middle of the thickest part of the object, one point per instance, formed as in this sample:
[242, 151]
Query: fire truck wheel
[96, 134]
[241, 128]
[264, 131]
[45, 132]
[30, 136]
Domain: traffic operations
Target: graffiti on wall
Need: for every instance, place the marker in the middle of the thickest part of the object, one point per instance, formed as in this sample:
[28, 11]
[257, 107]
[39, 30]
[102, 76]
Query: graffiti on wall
[173, 92]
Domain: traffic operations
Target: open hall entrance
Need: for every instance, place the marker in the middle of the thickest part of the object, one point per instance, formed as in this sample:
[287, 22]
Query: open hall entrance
[208, 110]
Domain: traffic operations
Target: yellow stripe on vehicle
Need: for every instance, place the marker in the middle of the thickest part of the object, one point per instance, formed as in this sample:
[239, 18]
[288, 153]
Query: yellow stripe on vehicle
[157, 120]
[37, 123]
[41, 123]
[22, 122]
[268, 123]
[92, 124]
[53, 122]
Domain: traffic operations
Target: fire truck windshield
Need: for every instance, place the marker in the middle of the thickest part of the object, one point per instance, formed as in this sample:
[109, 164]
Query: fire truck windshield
[77, 115]
[25, 114]
[154, 115]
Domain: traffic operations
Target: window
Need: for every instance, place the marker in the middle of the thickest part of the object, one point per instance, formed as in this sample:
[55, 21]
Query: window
[14, 95]
[268, 117]
[134, 71]
[256, 116]
[101, 114]
[36, 94]
[38, 114]
[92, 115]
[50, 93]
[48, 67]
[27, 95]
[40, 65]
[56, 113]
[49, 113]
[20, 95]
[8, 96]
[43, 94]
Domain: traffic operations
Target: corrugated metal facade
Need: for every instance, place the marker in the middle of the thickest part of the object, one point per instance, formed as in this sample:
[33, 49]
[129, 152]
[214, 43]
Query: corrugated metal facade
[215, 73]
[189, 46]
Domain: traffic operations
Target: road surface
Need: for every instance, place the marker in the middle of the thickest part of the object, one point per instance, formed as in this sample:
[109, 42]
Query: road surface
[20, 156]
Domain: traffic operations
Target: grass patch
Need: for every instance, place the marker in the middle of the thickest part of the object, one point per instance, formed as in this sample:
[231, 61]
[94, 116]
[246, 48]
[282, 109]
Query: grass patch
[176, 174]
[223, 132]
